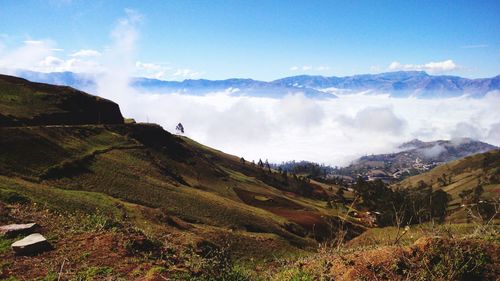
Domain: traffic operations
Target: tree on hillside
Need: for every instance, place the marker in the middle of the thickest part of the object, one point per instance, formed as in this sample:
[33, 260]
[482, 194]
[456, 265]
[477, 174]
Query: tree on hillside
[340, 195]
[260, 163]
[439, 204]
[180, 128]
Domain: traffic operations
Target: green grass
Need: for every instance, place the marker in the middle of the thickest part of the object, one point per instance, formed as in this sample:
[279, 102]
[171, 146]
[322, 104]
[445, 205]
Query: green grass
[5, 244]
[29, 152]
[375, 237]
[93, 273]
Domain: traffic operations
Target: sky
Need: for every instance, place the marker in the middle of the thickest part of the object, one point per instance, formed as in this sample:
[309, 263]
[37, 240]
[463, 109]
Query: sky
[266, 40]
[263, 40]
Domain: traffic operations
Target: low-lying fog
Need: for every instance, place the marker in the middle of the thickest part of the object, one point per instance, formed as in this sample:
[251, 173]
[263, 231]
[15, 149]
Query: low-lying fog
[334, 131]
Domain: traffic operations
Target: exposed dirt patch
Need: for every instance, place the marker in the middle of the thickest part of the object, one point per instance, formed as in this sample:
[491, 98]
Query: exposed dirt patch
[77, 252]
[315, 224]
[266, 201]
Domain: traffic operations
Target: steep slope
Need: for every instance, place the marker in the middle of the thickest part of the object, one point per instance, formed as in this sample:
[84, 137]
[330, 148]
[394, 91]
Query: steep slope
[26, 103]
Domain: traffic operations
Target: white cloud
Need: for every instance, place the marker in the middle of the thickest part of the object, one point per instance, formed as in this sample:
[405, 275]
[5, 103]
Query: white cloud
[466, 130]
[433, 151]
[320, 68]
[86, 53]
[377, 120]
[186, 73]
[165, 71]
[299, 111]
[43, 56]
[432, 67]
[153, 70]
[119, 62]
[494, 132]
[27, 56]
[327, 131]
[477, 46]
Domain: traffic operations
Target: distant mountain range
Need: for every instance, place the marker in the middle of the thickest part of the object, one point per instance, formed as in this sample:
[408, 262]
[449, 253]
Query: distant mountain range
[414, 158]
[396, 84]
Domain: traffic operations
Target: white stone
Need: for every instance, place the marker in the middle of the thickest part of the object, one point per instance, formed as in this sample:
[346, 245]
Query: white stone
[32, 244]
[12, 230]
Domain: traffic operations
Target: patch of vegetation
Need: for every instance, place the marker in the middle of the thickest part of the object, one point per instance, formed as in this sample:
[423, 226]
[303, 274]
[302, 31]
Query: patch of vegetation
[216, 264]
[452, 261]
[295, 274]
[5, 244]
[51, 276]
[12, 197]
[93, 273]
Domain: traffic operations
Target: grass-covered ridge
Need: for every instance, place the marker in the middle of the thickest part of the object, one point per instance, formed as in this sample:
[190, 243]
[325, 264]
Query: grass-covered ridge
[26, 103]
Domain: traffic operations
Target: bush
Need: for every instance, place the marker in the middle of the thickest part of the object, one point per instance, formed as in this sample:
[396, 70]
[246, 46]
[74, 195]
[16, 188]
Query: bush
[216, 265]
[452, 260]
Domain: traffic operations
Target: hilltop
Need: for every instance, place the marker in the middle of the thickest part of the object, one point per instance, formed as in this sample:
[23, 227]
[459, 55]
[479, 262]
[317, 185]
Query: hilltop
[26, 103]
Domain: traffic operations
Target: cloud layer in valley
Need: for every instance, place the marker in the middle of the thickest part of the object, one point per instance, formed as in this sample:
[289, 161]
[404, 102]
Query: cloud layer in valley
[332, 131]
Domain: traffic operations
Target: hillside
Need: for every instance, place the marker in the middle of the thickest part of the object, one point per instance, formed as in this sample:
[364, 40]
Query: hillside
[111, 181]
[27, 103]
[481, 170]
[415, 157]
[463, 247]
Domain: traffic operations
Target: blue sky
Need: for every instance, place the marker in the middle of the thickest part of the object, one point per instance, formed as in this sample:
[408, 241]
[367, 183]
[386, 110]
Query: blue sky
[259, 39]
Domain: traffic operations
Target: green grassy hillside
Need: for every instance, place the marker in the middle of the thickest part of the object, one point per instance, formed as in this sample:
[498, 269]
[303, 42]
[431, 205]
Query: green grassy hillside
[461, 176]
[26, 103]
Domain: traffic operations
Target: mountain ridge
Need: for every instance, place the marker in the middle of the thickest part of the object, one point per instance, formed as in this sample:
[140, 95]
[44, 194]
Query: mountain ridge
[397, 84]
[414, 157]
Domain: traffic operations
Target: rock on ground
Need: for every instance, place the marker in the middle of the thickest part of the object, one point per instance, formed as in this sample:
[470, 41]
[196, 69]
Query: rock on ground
[13, 230]
[31, 245]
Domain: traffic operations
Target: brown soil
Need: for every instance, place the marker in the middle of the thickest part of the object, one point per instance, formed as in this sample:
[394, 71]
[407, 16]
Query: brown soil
[249, 198]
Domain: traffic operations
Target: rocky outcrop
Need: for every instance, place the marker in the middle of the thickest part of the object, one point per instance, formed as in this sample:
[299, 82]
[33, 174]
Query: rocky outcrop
[31, 245]
[13, 230]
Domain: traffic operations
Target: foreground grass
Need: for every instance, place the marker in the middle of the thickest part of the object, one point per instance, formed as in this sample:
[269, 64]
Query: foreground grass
[427, 252]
